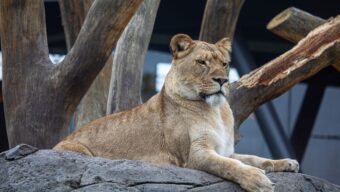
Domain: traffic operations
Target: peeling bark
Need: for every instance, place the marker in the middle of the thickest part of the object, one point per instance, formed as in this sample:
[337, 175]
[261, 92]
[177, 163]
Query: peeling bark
[318, 50]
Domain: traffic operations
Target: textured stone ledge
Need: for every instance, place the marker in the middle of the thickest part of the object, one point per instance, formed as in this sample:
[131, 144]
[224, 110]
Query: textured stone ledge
[26, 169]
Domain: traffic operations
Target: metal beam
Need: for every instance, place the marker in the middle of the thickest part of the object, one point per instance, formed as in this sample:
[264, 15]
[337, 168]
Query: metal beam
[307, 117]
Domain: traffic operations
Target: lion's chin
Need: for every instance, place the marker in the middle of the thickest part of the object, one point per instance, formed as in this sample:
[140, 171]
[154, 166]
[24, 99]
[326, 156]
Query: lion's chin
[215, 100]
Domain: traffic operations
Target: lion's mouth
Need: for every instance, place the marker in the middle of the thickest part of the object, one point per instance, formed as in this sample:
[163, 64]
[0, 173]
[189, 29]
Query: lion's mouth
[205, 95]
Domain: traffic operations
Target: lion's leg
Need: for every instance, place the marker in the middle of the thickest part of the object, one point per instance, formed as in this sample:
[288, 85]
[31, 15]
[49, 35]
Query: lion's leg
[73, 146]
[268, 165]
[250, 178]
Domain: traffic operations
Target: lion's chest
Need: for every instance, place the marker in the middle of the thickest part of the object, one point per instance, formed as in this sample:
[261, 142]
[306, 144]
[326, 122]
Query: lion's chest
[216, 134]
[223, 141]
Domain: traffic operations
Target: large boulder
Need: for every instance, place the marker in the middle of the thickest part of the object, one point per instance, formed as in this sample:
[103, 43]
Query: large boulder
[25, 168]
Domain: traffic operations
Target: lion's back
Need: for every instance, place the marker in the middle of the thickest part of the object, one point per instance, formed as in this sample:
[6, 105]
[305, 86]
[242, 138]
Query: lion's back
[133, 134]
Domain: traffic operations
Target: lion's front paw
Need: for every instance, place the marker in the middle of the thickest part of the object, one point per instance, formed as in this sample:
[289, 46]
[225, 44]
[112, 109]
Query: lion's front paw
[254, 179]
[286, 165]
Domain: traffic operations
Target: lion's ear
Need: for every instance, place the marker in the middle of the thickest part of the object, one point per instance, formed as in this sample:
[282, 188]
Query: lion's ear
[180, 43]
[224, 43]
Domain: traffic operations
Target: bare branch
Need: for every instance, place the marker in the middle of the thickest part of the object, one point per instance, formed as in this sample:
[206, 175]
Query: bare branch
[128, 62]
[294, 24]
[73, 13]
[102, 27]
[93, 104]
[219, 20]
[313, 53]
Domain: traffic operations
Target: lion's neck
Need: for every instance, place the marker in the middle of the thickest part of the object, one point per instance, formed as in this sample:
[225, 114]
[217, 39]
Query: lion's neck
[191, 105]
[175, 93]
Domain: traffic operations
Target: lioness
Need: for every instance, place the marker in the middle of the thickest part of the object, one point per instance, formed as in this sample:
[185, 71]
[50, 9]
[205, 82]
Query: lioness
[188, 124]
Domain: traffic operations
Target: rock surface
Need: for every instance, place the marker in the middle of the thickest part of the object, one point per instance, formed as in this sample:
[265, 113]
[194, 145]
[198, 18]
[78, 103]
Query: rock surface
[48, 170]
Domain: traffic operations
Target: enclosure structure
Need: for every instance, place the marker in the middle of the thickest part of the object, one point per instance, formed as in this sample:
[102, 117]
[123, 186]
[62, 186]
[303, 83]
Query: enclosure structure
[276, 79]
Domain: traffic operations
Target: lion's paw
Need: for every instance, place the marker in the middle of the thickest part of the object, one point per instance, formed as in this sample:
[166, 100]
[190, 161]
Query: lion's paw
[268, 166]
[290, 165]
[254, 179]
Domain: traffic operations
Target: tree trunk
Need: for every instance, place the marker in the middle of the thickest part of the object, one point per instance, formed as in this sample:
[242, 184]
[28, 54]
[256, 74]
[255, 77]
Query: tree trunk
[3, 132]
[93, 103]
[219, 19]
[128, 61]
[39, 97]
[294, 24]
[316, 51]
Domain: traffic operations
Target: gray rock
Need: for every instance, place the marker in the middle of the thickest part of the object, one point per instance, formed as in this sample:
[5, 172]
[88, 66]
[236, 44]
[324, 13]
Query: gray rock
[48, 170]
[18, 152]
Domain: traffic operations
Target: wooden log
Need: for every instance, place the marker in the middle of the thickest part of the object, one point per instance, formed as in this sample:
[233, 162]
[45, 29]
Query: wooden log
[219, 19]
[128, 61]
[93, 104]
[39, 97]
[294, 24]
[318, 50]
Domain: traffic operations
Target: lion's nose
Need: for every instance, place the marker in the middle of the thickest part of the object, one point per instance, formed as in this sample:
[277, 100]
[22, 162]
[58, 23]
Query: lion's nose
[221, 81]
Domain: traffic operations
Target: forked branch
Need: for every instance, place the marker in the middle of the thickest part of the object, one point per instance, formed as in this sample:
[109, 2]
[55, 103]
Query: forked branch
[102, 27]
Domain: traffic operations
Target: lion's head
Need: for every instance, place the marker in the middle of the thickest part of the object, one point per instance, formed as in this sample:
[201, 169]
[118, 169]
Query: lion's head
[199, 70]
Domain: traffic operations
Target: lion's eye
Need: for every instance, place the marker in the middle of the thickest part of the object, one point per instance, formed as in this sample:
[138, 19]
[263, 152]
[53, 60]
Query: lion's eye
[200, 61]
[224, 64]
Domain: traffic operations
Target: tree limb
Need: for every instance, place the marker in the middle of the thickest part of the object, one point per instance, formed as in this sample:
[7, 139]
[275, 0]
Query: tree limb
[93, 104]
[128, 61]
[102, 27]
[219, 20]
[73, 13]
[318, 50]
[294, 24]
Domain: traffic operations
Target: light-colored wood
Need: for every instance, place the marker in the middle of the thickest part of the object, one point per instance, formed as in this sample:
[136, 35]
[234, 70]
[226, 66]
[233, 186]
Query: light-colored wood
[39, 97]
[219, 20]
[318, 50]
[93, 104]
[294, 24]
[128, 61]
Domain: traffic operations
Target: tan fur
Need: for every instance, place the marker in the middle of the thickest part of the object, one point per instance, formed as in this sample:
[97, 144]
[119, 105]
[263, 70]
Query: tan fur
[183, 124]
